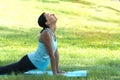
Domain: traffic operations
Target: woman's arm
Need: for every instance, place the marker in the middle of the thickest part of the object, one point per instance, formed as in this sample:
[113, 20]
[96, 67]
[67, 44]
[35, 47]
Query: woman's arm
[57, 60]
[46, 39]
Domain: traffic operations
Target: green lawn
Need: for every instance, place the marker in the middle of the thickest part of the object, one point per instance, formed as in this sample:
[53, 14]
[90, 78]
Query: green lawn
[88, 34]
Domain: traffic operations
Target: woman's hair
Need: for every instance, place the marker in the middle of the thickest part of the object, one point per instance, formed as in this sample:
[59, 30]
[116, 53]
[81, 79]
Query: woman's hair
[41, 22]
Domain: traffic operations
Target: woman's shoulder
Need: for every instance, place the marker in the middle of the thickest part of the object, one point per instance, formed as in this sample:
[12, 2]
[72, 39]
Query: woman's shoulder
[45, 35]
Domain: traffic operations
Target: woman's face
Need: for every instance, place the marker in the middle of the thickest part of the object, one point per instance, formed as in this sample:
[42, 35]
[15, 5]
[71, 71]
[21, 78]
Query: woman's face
[51, 18]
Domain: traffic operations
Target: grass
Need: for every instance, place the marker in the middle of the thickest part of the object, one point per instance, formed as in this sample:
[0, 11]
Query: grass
[87, 33]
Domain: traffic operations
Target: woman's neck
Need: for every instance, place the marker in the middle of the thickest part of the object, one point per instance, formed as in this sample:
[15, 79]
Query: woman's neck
[53, 28]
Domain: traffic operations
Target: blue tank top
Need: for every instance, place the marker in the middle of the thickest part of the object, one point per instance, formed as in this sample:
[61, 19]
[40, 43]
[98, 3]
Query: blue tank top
[40, 58]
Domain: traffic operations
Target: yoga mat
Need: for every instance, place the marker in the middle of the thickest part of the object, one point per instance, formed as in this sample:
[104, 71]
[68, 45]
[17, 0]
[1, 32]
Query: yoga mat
[77, 73]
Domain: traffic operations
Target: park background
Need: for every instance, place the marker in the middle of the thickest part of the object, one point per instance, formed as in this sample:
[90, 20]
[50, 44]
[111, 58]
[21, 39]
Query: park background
[88, 35]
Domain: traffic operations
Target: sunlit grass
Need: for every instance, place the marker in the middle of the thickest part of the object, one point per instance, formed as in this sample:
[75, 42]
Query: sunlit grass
[87, 33]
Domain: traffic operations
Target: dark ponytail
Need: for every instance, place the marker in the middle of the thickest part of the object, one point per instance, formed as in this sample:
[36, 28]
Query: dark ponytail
[41, 22]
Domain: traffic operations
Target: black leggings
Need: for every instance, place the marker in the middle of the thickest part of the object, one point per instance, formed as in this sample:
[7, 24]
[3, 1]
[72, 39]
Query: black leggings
[19, 67]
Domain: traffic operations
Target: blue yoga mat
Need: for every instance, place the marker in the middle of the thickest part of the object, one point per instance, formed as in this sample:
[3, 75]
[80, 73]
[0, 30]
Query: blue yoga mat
[78, 73]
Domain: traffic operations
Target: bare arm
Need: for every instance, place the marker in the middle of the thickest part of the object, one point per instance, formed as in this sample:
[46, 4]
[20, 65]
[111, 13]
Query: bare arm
[57, 60]
[45, 37]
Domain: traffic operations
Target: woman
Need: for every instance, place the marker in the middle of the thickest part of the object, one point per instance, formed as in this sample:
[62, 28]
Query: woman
[46, 52]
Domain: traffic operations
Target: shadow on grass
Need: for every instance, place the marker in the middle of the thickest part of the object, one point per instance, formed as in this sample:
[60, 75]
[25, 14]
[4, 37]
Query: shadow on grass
[65, 37]
[3, 28]
[104, 20]
[6, 62]
[109, 62]
[80, 1]
[112, 9]
[96, 71]
[89, 39]
[13, 36]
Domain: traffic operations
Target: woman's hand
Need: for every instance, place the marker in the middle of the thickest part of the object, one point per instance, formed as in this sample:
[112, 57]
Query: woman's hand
[60, 72]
